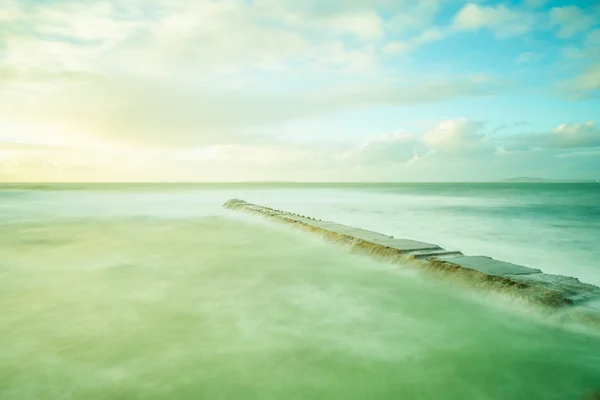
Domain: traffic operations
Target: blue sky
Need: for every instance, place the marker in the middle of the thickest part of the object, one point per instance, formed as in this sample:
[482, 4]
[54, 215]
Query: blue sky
[234, 90]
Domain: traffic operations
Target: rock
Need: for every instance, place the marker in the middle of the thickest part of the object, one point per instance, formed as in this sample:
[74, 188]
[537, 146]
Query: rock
[553, 291]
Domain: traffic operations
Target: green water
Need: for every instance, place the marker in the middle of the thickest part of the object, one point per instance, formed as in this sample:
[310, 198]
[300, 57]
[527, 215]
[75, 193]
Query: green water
[160, 294]
[219, 308]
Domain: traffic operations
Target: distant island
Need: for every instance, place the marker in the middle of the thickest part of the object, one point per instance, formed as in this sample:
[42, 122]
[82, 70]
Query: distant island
[534, 179]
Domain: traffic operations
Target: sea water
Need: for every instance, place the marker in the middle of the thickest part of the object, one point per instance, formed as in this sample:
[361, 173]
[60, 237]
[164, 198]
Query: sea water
[156, 291]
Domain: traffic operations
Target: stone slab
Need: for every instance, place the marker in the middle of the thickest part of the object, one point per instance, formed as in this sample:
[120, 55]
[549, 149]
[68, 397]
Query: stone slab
[569, 287]
[533, 284]
[404, 245]
[490, 266]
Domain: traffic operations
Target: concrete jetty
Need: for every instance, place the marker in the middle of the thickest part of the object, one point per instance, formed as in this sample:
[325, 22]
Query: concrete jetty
[482, 272]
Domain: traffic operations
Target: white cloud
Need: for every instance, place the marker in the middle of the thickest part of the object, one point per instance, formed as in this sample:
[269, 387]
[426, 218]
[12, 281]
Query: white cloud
[414, 16]
[460, 150]
[584, 85]
[571, 20]
[265, 154]
[588, 50]
[184, 38]
[564, 136]
[367, 25]
[589, 80]
[458, 136]
[584, 58]
[20, 146]
[427, 36]
[123, 88]
[399, 147]
[503, 21]
[186, 73]
[165, 113]
[9, 11]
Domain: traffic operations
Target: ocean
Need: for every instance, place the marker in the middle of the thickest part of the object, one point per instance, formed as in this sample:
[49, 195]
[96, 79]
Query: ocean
[154, 291]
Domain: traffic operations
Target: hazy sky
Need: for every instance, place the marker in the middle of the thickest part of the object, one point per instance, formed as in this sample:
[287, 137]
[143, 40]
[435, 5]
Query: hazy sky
[306, 90]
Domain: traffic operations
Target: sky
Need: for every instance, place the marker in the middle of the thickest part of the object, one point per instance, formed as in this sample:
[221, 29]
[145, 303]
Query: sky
[289, 90]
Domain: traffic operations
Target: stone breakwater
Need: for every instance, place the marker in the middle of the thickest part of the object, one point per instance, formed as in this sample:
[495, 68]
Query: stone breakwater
[484, 273]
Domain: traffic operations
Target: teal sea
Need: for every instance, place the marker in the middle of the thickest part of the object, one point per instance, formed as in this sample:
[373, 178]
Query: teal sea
[154, 291]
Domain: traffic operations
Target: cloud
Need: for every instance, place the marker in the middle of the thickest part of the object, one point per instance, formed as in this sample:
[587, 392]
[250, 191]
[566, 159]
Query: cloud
[448, 139]
[585, 58]
[164, 113]
[19, 146]
[453, 150]
[187, 73]
[414, 16]
[427, 36]
[197, 41]
[571, 20]
[175, 89]
[564, 136]
[366, 25]
[588, 50]
[584, 85]
[246, 155]
[399, 147]
[589, 80]
[459, 149]
[458, 137]
[501, 20]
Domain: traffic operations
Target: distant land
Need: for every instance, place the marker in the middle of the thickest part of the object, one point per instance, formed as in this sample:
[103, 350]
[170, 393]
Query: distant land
[533, 179]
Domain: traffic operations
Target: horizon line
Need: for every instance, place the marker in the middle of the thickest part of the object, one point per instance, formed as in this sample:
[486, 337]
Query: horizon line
[509, 180]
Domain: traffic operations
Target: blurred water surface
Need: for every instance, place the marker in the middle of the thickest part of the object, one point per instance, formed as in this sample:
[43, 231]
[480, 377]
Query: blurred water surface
[155, 291]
